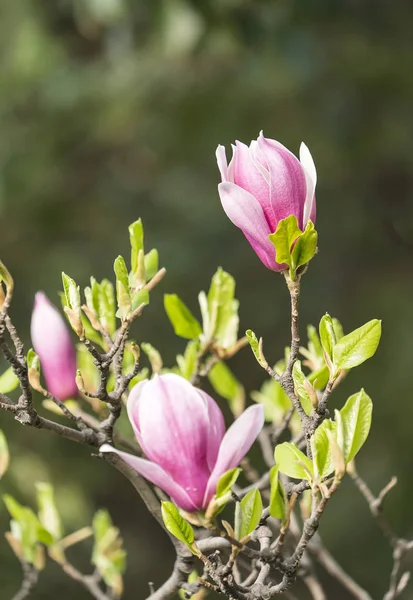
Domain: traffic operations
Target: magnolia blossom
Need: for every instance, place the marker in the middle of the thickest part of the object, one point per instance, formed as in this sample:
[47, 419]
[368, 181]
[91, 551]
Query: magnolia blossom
[263, 184]
[182, 432]
[54, 347]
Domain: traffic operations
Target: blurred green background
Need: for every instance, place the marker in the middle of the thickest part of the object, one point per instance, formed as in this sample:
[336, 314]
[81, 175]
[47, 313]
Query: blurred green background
[111, 110]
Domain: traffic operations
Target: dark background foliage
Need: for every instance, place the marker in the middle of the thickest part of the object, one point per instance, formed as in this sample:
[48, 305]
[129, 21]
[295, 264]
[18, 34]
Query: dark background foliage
[111, 110]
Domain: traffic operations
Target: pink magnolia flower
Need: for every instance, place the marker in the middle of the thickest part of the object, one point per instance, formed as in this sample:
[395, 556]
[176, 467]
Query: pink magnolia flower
[263, 184]
[182, 432]
[54, 347]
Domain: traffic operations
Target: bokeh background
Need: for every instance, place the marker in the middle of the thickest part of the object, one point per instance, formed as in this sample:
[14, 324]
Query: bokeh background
[111, 110]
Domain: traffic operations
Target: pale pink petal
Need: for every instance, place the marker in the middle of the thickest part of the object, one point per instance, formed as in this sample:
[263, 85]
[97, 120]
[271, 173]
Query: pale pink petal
[216, 429]
[236, 443]
[173, 423]
[132, 408]
[287, 183]
[54, 346]
[222, 162]
[156, 475]
[311, 181]
[245, 212]
[249, 177]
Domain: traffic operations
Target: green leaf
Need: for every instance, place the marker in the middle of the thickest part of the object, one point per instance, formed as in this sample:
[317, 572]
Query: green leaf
[31, 531]
[72, 293]
[33, 361]
[188, 362]
[275, 401]
[251, 513]
[278, 498]
[305, 247]
[356, 421]
[107, 306]
[227, 385]
[283, 239]
[255, 347]
[121, 271]
[154, 357]
[227, 481]
[321, 449]
[140, 297]
[177, 526]
[4, 454]
[314, 344]
[8, 381]
[5, 275]
[48, 513]
[292, 462]
[338, 329]
[222, 309]
[136, 242]
[327, 334]
[184, 323]
[300, 385]
[122, 288]
[108, 554]
[151, 264]
[357, 346]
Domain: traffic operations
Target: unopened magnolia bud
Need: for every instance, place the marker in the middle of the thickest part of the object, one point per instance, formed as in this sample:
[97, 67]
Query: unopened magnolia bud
[55, 349]
[263, 184]
[311, 392]
[92, 317]
[338, 456]
[79, 382]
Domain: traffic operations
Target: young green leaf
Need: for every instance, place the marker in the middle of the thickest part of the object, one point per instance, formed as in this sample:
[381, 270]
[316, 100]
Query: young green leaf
[188, 362]
[154, 357]
[292, 462]
[275, 401]
[321, 449]
[356, 421]
[48, 513]
[183, 321]
[177, 525]
[72, 293]
[122, 288]
[108, 555]
[151, 264]
[255, 347]
[8, 381]
[327, 334]
[251, 513]
[302, 386]
[223, 309]
[357, 346]
[4, 454]
[136, 242]
[278, 498]
[227, 385]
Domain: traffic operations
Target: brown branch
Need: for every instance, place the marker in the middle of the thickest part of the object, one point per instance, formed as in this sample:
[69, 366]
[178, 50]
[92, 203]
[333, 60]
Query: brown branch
[30, 579]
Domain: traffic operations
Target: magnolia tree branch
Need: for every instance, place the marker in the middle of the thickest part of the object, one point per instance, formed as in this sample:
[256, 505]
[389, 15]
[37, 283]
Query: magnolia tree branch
[30, 579]
[401, 547]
